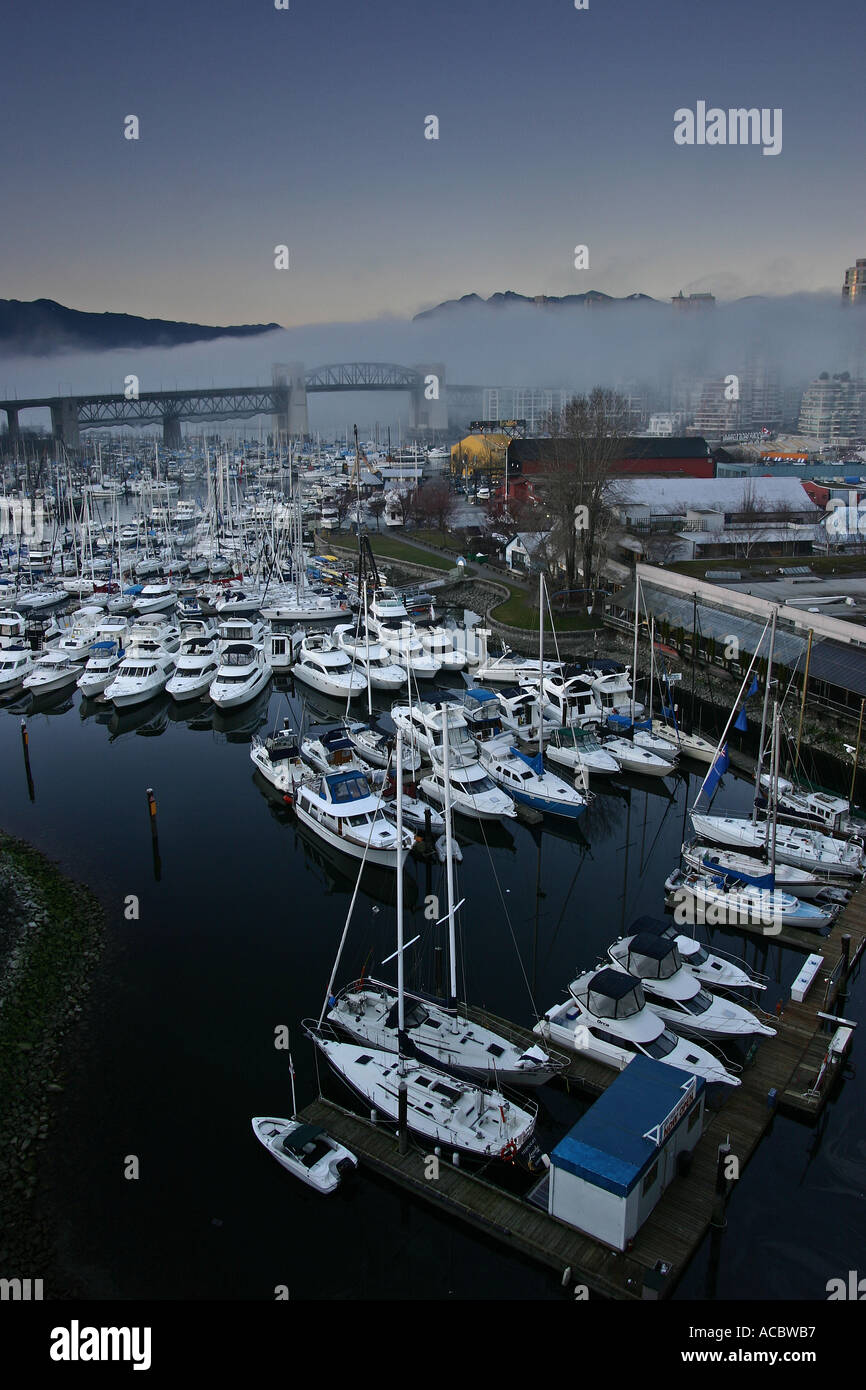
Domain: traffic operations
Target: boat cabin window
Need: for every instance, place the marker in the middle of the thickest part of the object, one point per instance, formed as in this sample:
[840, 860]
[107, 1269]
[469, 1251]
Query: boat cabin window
[663, 1044]
[699, 1004]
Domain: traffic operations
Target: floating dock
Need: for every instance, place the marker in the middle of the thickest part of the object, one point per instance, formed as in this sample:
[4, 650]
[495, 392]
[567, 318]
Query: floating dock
[792, 1069]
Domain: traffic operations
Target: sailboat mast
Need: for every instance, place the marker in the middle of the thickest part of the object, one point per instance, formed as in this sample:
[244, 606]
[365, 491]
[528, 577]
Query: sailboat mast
[449, 861]
[634, 657]
[765, 708]
[401, 983]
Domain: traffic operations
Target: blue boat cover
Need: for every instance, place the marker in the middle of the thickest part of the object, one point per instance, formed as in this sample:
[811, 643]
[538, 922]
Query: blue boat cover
[607, 1147]
[766, 880]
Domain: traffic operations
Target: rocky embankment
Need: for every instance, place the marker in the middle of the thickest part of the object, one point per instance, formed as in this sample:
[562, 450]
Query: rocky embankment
[51, 936]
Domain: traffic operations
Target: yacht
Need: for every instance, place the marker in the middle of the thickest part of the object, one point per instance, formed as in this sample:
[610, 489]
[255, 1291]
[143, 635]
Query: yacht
[675, 993]
[78, 639]
[376, 747]
[279, 760]
[13, 628]
[243, 672]
[422, 723]
[473, 792]
[729, 902]
[240, 603]
[306, 1151]
[716, 970]
[438, 643]
[155, 598]
[326, 667]
[529, 782]
[632, 758]
[510, 669]
[747, 869]
[342, 809]
[569, 699]
[51, 671]
[15, 664]
[232, 630]
[332, 751]
[388, 621]
[607, 1019]
[197, 665]
[142, 674]
[614, 693]
[693, 746]
[102, 666]
[579, 751]
[370, 658]
[797, 845]
[830, 814]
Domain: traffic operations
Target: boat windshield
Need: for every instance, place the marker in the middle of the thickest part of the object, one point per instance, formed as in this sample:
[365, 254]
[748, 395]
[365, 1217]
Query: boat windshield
[663, 1045]
[699, 1004]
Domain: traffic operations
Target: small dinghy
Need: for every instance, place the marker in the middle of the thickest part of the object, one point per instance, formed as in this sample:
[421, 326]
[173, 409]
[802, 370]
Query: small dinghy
[308, 1152]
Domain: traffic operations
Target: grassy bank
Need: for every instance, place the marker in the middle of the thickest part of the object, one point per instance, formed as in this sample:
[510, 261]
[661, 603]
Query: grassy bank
[51, 934]
[517, 611]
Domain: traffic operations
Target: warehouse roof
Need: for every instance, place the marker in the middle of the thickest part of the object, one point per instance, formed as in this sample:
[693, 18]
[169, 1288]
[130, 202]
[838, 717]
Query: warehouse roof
[675, 496]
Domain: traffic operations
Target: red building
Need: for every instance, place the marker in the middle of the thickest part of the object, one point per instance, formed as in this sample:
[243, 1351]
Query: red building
[655, 457]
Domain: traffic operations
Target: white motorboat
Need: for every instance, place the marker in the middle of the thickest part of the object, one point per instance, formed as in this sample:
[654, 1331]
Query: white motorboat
[675, 993]
[307, 1151]
[580, 751]
[632, 758]
[197, 666]
[13, 628]
[240, 603]
[155, 598]
[613, 690]
[15, 664]
[154, 630]
[38, 600]
[473, 792]
[797, 845]
[529, 782]
[102, 666]
[242, 673]
[343, 810]
[326, 667]
[438, 644]
[332, 750]
[142, 674]
[828, 813]
[422, 722]
[510, 669]
[370, 658]
[51, 671]
[747, 869]
[378, 748]
[518, 705]
[569, 699]
[607, 1019]
[714, 969]
[653, 743]
[709, 897]
[232, 630]
[279, 760]
[388, 621]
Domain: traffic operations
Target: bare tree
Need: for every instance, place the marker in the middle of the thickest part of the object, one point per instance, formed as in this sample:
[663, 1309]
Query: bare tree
[435, 504]
[376, 507]
[586, 440]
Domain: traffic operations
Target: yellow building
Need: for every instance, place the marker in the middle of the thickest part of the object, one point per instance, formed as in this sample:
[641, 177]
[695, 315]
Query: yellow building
[479, 453]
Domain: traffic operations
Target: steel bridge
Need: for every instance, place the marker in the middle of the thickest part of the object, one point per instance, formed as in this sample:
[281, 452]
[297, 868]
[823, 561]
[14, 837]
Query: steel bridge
[285, 400]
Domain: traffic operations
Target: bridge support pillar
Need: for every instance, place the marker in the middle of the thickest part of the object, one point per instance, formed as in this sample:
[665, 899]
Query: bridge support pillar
[290, 398]
[429, 399]
[64, 422]
[14, 429]
[171, 432]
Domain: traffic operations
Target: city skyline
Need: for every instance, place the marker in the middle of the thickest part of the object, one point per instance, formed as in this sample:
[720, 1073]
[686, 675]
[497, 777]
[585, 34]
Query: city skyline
[305, 128]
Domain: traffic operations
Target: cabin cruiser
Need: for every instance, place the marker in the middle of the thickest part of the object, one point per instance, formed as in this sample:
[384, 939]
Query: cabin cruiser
[232, 630]
[142, 674]
[688, 745]
[243, 672]
[38, 600]
[830, 814]
[473, 792]
[511, 669]
[154, 629]
[155, 598]
[569, 699]
[370, 658]
[102, 666]
[332, 751]
[376, 747]
[727, 901]
[528, 781]
[797, 845]
[614, 693]
[518, 706]
[422, 724]
[607, 1019]
[13, 628]
[580, 751]
[304, 605]
[78, 639]
[342, 809]
[716, 970]
[279, 760]
[367, 1011]
[197, 665]
[388, 621]
[51, 671]
[675, 993]
[747, 869]
[325, 666]
[15, 664]
[438, 643]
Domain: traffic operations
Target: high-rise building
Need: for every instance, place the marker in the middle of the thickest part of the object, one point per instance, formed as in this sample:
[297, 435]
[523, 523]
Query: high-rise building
[854, 286]
[717, 412]
[834, 409]
[692, 302]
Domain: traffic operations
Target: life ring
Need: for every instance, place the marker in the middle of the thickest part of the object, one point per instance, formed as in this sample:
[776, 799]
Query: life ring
[509, 1151]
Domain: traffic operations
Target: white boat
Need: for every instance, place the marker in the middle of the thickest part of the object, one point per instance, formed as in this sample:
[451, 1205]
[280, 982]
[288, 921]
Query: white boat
[716, 970]
[378, 748]
[473, 792]
[388, 621]
[232, 630]
[240, 603]
[510, 669]
[13, 628]
[78, 639]
[38, 600]
[242, 673]
[529, 782]
[748, 869]
[580, 751]
[797, 845]
[727, 902]
[607, 1019]
[343, 810]
[155, 598]
[828, 813]
[142, 674]
[613, 690]
[693, 746]
[675, 993]
[326, 667]
[652, 743]
[332, 750]
[279, 760]
[422, 723]
[51, 671]
[305, 1150]
[438, 644]
[569, 699]
[15, 664]
[196, 670]
[632, 758]
[370, 658]
[102, 666]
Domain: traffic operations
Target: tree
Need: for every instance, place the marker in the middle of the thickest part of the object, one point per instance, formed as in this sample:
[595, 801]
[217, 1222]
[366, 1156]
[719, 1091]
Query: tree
[662, 547]
[435, 504]
[405, 499]
[376, 507]
[586, 440]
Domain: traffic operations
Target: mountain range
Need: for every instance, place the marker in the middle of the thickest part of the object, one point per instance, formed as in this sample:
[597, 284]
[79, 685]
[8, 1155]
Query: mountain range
[40, 327]
[508, 298]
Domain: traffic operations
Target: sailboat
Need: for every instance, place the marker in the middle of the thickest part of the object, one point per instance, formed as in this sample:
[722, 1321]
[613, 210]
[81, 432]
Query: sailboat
[438, 1107]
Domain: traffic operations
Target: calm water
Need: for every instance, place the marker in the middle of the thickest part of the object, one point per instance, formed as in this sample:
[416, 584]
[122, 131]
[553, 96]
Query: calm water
[238, 936]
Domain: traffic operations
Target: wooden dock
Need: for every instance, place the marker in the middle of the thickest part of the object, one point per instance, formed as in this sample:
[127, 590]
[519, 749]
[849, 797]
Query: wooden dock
[782, 1070]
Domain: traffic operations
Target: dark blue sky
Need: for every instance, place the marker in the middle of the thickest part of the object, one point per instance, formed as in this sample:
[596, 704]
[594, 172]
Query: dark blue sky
[306, 127]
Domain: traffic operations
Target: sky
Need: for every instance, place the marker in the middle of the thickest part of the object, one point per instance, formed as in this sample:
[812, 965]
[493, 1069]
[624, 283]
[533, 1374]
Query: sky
[305, 127]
